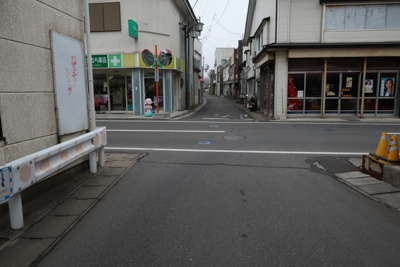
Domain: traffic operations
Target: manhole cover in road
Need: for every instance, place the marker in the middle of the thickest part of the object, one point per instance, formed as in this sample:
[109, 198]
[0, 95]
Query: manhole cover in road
[234, 137]
[204, 143]
[337, 165]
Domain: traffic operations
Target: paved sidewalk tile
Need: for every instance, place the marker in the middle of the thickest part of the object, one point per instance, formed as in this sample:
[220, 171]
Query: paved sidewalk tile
[72, 207]
[351, 175]
[364, 181]
[89, 192]
[120, 164]
[382, 188]
[112, 171]
[50, 227]
[23, 251]
[392, 199]
[102, 180]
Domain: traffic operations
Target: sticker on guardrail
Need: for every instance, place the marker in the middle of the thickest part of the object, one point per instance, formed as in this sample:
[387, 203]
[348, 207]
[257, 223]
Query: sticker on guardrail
[5, 184]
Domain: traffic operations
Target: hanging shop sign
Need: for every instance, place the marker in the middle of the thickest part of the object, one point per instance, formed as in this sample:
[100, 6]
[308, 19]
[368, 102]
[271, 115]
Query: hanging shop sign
[133, 29]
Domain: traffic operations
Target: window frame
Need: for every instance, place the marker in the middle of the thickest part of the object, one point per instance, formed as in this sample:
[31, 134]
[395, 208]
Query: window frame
[119, 28]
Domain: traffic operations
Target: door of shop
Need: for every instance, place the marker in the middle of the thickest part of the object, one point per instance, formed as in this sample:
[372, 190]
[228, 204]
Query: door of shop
[342, 93]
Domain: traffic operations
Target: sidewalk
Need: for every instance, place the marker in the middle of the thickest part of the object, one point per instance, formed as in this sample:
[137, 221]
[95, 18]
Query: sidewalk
[260, 117]
[57, 209]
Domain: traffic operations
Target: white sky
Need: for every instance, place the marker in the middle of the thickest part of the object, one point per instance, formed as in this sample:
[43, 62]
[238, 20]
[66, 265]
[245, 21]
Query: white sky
[230, 14]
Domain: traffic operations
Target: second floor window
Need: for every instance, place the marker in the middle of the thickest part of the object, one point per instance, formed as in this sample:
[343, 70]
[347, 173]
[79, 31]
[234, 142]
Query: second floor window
[105, 17]
[260, 41]
[362, 17]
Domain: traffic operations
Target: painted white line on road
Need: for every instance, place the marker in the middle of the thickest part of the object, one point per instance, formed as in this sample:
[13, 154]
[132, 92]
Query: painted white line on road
[262, 123]
[393, 133]
[236, 151]
[166, 131]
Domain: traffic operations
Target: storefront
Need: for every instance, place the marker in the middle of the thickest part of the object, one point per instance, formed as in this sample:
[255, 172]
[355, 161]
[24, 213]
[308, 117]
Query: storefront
[354, 86]
[123, 82]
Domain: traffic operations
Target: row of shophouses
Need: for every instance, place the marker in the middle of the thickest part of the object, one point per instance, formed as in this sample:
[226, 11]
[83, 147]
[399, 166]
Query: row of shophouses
[315, 58]
[119, 32]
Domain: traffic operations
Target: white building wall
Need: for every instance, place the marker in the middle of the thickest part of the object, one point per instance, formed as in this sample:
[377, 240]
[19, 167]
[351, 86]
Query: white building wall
[264, 9]
[305, 21]
[161, 30]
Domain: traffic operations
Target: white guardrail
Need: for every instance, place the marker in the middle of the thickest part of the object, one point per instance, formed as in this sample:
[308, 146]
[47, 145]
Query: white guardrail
[22, 173]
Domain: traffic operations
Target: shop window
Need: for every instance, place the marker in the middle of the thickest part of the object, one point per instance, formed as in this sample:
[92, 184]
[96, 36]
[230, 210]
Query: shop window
[369, 105]
[385, 105]
[332, 85]
[296, 85]
[313, 84]
[313, 106]
[348, 105]
[105, 17]
[331, 105]
[371, 85]
[350, 84]
[100, 92]
[387, 85]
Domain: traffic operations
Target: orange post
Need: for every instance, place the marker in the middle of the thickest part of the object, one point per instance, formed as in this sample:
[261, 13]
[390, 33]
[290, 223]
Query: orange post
[157, 83]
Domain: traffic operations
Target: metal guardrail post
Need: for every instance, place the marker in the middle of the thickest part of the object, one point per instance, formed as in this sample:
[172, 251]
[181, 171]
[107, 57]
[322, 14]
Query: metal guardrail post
[16, 213]
[92, 162]
[101, 156]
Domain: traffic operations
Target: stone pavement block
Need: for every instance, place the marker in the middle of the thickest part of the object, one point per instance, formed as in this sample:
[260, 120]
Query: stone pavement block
[351, 175]
[102, 180]
[381, 188]
[89, 192]
[72, 207]
[120, 164]
[112, 171]
[392, 199]
[356, 162]
[50, 227]
[23, 251]
[364, 181]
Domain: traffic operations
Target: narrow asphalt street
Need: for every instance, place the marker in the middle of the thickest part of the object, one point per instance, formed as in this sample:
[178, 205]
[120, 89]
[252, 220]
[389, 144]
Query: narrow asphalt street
[218, 189]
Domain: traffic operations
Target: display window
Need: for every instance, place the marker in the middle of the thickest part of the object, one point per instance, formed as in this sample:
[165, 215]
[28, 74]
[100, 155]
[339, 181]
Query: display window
[304, 93]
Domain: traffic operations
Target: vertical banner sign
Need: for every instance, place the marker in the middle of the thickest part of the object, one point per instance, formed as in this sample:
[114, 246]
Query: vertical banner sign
[69, 69]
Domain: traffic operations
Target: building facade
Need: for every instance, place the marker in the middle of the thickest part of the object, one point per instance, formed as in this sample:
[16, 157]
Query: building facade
[326, 58]
[120, 32]
[27, 91]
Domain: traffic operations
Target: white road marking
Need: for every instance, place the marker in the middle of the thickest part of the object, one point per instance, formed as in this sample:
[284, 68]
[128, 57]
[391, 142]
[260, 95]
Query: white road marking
[237, 151]
[166, 131]
[393, 133]
[238, 122]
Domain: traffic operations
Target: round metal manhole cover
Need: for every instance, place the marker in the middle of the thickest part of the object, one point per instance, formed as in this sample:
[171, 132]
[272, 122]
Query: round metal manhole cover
[234, 137]
[204, 143]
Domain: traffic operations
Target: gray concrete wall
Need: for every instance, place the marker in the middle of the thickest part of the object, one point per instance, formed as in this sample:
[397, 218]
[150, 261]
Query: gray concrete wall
[27, 100]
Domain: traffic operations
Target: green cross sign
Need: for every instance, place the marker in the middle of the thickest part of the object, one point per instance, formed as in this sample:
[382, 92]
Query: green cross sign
[115, 61]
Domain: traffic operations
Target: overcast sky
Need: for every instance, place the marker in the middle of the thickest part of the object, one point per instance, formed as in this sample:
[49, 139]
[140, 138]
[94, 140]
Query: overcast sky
[224, 22]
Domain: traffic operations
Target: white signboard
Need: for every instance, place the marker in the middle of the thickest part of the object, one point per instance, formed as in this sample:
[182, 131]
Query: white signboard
[5, 183]
[69, 83]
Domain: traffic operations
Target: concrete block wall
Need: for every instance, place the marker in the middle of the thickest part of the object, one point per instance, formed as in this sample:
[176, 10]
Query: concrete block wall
[27, 100]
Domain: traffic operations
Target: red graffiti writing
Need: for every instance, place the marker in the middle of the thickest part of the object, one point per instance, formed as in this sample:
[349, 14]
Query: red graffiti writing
[71, 79]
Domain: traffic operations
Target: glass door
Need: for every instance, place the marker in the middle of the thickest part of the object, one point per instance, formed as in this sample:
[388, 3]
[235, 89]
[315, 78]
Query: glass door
[349, 93]
[117, 92]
